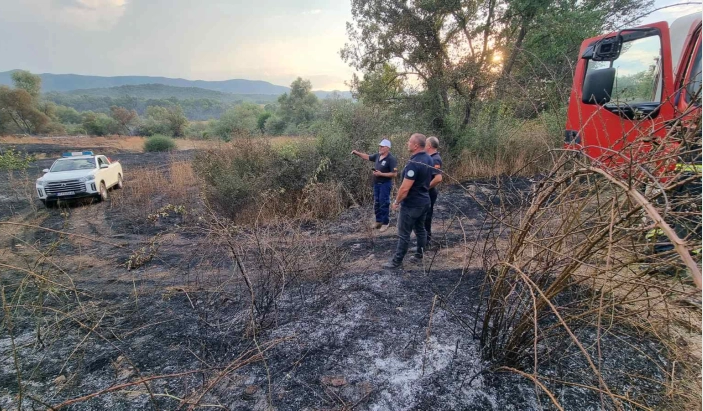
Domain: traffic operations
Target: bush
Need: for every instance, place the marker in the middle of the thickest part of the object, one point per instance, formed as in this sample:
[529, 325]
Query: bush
[99, 124]
[249, 178]
[11, 159]
[159, 143]
[68, 115]
[242, 119]
[151, 127]
[198, 130]
[274, 125]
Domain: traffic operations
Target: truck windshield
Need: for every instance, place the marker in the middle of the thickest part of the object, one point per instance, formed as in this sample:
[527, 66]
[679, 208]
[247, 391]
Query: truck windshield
[638, 78]
[71, 164]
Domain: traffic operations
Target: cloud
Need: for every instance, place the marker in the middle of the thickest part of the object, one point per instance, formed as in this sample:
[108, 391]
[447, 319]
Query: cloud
[93, 15]
[313, 11]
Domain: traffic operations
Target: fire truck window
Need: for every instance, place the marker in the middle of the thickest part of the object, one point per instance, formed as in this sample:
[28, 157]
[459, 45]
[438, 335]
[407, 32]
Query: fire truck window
[694, 84]
[638, 78]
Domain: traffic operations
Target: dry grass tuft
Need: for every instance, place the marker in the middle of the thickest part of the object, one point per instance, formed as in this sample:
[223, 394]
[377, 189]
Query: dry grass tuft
[582, 265]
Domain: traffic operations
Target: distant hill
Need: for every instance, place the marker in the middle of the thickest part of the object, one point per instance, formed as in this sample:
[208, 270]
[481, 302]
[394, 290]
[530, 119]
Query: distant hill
[161, 91]
[72, 82]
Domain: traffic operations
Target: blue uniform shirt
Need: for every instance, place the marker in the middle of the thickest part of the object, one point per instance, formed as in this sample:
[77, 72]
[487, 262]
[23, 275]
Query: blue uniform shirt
[387, 164]
[419, 169]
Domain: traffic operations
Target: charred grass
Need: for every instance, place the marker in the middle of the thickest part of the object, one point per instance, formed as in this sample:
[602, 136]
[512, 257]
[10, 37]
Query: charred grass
[543, 294]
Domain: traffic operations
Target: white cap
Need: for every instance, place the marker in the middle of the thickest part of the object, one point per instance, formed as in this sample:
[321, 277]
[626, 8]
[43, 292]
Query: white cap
[385, 143]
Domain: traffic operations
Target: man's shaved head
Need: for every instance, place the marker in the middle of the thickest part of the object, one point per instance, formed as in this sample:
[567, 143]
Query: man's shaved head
[419, 139]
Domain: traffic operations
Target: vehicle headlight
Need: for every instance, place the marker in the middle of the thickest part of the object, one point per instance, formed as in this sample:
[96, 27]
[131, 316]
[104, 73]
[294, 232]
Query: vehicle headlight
[41, 183]
[86, 178]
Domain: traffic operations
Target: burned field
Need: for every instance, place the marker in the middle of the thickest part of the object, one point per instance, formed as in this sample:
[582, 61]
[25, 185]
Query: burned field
[161, 303]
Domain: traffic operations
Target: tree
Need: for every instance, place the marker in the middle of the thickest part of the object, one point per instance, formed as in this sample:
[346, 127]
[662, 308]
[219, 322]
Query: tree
[242, 118]
[177, 121]
[68, 115]
[17, 107]
[455, 49]
[125, 118]
[261, 121]
[446, 44]
[300, 105]
[541, 39]
[379, 87]
[99, 124]
[275, 125]
[164, 120]
[31, 83]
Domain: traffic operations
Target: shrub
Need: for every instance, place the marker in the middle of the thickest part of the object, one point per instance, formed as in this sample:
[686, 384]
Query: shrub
[68, 115]
[11, 159]
[198, 130]
[249, 178]
[243, 118]
[99, 124]
[151, 127]
[275, 125]
[159, 143]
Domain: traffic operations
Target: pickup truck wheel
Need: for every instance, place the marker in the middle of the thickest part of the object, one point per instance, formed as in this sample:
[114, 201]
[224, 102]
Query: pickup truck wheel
[120, 183]
[103, 192]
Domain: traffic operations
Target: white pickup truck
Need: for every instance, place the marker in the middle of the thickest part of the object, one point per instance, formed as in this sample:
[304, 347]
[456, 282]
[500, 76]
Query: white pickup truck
[78, 175]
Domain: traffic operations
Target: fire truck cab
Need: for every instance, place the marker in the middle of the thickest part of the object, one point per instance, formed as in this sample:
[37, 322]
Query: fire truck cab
[634, 83]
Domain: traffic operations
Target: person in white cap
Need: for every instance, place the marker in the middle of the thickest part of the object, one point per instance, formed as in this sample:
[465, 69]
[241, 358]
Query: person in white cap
[385, 169]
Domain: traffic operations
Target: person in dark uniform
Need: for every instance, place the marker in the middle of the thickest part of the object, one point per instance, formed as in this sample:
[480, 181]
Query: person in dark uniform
[414, 200]
[431, 149]
[385, 169]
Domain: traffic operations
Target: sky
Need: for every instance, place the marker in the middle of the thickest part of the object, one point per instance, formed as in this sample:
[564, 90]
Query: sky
[274, 41]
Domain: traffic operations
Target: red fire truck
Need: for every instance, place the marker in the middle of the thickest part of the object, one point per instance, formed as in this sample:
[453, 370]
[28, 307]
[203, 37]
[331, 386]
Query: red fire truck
[634, 83]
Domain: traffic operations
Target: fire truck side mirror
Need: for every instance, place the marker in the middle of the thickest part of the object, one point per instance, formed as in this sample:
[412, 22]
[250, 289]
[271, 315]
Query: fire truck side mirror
[598, 86]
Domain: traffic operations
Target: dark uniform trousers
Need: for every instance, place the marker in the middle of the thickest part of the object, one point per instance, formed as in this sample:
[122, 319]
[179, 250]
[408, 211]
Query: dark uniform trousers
[382, 201]
[411, 219]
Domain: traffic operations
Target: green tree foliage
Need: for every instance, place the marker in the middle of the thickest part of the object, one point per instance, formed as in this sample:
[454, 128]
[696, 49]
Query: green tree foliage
[540, 41]
[11, 159]
[23, 110]
[193, 108]
[383, 86]
[261, 121]
[68, 115]
[17, 108]
[459, 51]
[176, 120]
[99, 124]
[299, 106]
[275, 125]
[24, 80]
[199, 129]
[164, 120]
[243, 118]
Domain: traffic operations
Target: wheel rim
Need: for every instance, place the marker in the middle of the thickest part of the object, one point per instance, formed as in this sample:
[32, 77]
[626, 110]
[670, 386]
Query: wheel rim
[103, 192]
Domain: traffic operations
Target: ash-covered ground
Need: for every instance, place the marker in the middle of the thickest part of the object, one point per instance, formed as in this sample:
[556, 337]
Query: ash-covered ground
[339, 333]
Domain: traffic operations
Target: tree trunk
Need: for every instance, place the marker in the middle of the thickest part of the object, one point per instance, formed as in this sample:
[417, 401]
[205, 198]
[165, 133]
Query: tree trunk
[468, 106]
[508, 67]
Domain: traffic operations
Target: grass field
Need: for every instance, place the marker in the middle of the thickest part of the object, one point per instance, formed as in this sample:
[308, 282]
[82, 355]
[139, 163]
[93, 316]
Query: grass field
[123, 143]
